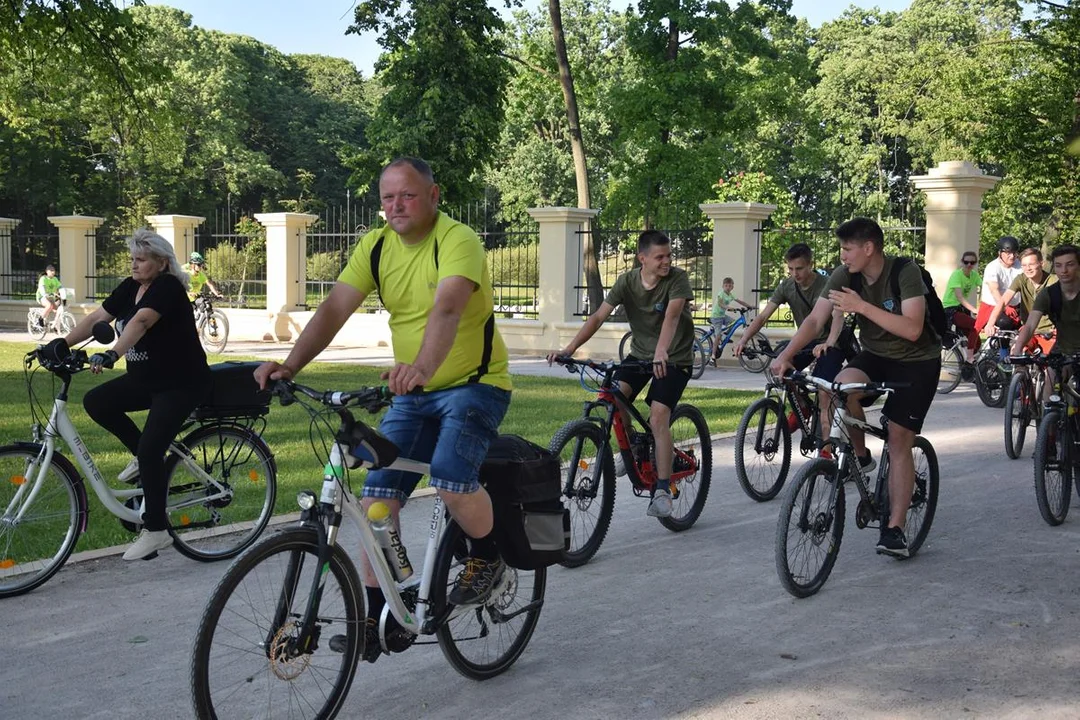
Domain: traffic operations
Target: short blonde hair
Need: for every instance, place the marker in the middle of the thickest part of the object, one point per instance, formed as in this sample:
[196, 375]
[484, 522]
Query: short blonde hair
[159, 248]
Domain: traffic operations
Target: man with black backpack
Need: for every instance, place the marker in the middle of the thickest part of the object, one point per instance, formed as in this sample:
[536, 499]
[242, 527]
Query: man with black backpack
[890, 300]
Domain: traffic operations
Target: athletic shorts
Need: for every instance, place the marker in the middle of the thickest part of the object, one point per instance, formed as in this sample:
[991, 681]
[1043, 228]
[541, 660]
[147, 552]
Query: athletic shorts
[908, 406]
[667, 390]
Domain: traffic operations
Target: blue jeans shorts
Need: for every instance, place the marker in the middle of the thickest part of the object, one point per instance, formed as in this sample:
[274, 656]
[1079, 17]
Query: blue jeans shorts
[449, 428]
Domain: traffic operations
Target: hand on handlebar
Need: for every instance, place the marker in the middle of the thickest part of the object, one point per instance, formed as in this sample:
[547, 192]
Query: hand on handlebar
[780, 367]
[103, 360]
[564, 353]
[272, 371]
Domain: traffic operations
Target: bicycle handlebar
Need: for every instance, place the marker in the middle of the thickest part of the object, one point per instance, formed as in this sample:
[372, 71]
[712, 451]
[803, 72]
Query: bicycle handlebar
[1054, 360]
[579, 366]
[371, 399]
[76, 361]
[845, 388]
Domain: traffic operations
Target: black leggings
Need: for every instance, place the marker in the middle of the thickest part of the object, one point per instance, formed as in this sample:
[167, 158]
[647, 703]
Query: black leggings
[108, 405]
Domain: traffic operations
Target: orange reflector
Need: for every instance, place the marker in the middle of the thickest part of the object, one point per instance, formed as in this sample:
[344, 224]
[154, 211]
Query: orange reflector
[253, 476]
[18, 480]
[7, 564]
[583, 465]
[185, 520]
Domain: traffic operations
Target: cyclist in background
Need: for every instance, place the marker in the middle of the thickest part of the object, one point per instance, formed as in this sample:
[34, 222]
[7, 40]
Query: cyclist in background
[800, 290]
[1028, 285]
[196, 268]
[48, 295]
[959, 310]
[656, 297]
[1066, 263]
[997, 277]
[719, 318]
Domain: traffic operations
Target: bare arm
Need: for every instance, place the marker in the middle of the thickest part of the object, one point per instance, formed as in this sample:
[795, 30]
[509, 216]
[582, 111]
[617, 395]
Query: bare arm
[752, 329]
[592, 324]
[907, 325]
[963, 300]
[835, 329]
[85, 328]
[1024, 336]
[667, 333]
[135, 328]
[991, 322]
[451, 297]
[324, 325]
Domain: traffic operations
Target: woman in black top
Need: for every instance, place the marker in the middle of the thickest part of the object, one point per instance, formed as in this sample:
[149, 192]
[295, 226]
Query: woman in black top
[166, 373]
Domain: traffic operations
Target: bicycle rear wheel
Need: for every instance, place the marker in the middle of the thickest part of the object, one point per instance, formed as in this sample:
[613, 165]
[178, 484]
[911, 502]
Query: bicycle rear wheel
[810, 529]
[952, 365]
[701, 358]
[35, 545]
[482, 641]
[245, 655]
[754, 356]
[210, 523]
[1053, 469]
[214, 333]
[67, 322]
[991, 383]
[624, 345]
[588, 486]
[924, 496]
[1017, 413]
[762, 450]
[691, 467]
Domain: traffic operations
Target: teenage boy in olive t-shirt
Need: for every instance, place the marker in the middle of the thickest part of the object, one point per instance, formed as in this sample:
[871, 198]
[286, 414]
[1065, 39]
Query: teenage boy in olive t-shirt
[656, 297]
[898, 346]
[1066, 262]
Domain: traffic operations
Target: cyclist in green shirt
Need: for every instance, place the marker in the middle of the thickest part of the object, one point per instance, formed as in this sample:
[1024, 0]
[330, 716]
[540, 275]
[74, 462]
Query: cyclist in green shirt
[48, 295]
[196, 268]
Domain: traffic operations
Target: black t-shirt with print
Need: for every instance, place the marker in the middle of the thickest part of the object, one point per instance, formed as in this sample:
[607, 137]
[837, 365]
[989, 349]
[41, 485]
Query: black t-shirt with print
[169, 354]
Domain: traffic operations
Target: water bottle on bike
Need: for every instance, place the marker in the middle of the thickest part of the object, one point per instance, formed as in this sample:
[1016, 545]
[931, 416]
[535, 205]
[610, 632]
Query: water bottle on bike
[389, 539]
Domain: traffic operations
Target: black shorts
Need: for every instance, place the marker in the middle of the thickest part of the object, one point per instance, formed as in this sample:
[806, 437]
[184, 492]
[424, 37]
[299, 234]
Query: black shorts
[667, 390]
[908, 406]
[828, 365]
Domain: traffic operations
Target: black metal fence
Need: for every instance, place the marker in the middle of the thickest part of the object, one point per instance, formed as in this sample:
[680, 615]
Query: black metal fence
[31, 250]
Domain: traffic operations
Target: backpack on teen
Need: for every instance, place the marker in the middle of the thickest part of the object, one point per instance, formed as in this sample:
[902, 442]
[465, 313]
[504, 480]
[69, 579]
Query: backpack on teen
[935, 311]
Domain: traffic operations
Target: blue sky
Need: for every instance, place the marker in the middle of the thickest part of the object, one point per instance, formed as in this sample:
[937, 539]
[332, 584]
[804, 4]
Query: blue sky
[318, 26]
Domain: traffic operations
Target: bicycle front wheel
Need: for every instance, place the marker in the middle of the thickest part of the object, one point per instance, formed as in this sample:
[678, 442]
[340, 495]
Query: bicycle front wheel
[38, 535]
[1053, 469]
[212, 521]
[754, 357]
[920, 513]
[588, 487]
[1017, 414]
[701, 359]
[991, 383]
[624, 345]
[214, 333]
[952, 364]
[35, 323]
[762, 450]
[482, 641]
[810, 528]
[691, 472]
[246, 656]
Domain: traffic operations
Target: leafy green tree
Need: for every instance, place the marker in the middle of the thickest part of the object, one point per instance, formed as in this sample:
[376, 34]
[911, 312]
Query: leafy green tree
[445, 78]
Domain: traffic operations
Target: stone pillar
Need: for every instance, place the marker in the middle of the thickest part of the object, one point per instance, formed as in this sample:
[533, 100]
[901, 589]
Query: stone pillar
[179, 230]
[560, 260]
[736, 246]
[7, 226]
[78, 244]
[286, 250]
[954, 192]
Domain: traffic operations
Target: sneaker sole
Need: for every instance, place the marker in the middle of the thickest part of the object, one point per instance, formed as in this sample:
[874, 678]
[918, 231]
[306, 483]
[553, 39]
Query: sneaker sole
[899, 554]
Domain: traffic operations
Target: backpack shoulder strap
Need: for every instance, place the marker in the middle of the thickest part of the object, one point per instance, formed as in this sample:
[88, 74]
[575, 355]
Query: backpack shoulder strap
[894, 277]
[1056, 300]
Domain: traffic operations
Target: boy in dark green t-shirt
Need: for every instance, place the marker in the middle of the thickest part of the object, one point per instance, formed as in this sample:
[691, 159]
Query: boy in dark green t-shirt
[656, 297]
[898, 346]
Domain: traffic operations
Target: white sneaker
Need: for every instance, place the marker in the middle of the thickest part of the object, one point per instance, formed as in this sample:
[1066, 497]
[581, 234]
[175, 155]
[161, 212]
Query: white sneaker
[620, 466]
[130, 473]
[660, 505]
[147, 544]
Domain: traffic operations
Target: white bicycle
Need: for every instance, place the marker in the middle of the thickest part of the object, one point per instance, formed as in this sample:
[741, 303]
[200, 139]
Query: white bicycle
[286, 627]
[222, 484]
[63, 322]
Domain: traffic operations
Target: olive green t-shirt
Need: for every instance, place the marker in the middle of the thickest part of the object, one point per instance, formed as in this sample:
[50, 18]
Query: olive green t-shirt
[645, 311]
[1068, 325]
[801, 300]
[1027, 291]
[875, 339]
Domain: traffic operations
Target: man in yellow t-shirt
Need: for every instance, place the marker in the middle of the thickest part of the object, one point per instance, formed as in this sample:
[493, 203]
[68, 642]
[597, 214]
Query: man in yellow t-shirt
[432, 275]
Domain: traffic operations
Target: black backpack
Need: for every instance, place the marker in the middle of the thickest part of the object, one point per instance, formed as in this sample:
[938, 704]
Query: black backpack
[935, 311]
[1056, 299]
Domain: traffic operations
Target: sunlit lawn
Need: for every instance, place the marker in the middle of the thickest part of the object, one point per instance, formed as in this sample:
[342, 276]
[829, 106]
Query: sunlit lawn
[540, 406]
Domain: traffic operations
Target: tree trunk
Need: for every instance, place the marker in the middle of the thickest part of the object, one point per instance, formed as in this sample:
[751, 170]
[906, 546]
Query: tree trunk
[590, 250]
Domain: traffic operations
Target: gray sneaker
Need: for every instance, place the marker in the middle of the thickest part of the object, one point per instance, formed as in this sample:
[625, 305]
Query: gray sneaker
[620, 466]
[660, 505]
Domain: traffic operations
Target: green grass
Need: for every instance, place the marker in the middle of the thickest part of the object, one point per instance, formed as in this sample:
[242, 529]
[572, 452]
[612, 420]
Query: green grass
[540, 406]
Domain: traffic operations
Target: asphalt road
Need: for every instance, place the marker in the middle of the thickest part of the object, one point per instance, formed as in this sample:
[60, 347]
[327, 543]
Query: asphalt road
[983, 623]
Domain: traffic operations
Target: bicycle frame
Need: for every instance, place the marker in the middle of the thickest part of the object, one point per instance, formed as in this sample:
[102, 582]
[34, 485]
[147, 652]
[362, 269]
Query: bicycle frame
[740, 322]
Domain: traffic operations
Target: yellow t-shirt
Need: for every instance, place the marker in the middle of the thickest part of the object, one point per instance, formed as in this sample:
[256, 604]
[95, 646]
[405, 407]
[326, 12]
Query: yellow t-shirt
[408, 277]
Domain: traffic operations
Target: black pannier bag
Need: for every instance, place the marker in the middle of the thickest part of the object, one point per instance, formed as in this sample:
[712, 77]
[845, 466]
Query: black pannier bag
[234, 392]
[532, 528]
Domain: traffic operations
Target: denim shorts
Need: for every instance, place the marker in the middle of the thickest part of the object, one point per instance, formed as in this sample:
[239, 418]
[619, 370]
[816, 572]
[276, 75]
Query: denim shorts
[449, 428]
